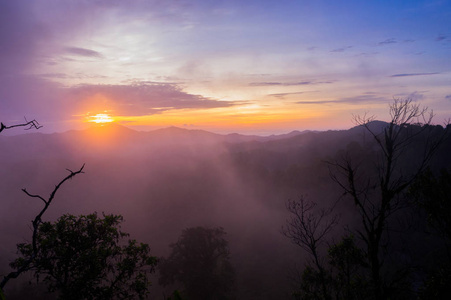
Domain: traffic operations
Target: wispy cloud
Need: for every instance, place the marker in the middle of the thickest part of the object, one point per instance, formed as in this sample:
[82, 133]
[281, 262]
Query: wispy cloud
[71, 76]
[283, 95]
[388, 41]
[83, 52]
[365, 98]
[441, 38]
[338, 50]
[448, 97]
[275, 83]
[280, 83]
[416, 95]
[54, 75]
[414, 74]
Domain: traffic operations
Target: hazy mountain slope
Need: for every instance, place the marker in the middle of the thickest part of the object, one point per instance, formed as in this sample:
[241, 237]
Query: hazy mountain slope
[166, 180]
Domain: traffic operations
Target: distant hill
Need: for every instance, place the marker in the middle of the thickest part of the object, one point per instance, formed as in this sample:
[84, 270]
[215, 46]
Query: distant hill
[113, 137]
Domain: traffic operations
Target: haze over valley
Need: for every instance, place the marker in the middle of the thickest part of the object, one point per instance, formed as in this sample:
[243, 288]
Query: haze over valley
[167, 180]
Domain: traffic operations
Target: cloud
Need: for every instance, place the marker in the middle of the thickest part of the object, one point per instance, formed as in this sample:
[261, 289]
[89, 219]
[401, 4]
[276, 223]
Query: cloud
[36, 97]
[441, 38]
[388, 41]
[83, 52]
[287, 83]
[416, 96]
[413, 74]
[283, 95]
[338, 50]
[141, 98]
[279, 83]
[73, 76]
[366, 54]
[55, 75]
[365, 98]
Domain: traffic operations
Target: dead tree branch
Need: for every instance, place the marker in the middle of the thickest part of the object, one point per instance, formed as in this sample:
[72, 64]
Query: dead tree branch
[28, 125]
[36, 222]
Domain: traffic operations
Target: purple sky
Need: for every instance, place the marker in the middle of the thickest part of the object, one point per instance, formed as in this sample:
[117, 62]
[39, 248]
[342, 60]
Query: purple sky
[249, 66]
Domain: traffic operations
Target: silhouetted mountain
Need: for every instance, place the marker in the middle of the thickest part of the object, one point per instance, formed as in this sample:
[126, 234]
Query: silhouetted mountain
[375, 126]
[176, 135]
[110, 128]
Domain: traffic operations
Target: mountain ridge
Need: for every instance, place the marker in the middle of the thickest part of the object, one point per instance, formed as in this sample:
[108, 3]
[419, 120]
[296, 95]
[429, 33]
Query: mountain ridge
[119, 129]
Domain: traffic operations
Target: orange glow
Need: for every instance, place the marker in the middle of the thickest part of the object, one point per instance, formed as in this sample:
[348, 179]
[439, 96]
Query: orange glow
[101, 118]
[236, 119]
[251, 118]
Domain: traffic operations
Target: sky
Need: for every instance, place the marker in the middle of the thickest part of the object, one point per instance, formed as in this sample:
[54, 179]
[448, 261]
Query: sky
[253, 67]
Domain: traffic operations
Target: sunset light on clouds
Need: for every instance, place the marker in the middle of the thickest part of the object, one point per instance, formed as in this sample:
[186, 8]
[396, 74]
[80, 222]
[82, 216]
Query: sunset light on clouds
[227, 66]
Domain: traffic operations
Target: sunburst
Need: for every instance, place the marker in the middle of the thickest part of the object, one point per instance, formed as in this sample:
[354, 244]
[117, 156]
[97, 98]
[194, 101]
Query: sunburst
[101, 119]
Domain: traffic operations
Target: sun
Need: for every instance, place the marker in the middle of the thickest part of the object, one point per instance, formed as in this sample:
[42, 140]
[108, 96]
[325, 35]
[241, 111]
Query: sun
[101, 119]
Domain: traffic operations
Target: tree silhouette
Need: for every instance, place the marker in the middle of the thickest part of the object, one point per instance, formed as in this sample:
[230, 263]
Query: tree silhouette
[377, 198]
[82, 258]
[307, 229]
[348, 264]
[200, 261]
[432, 195]
[27, 262]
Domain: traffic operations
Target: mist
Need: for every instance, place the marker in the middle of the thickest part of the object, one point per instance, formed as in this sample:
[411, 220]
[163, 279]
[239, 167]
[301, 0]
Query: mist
[167, 180]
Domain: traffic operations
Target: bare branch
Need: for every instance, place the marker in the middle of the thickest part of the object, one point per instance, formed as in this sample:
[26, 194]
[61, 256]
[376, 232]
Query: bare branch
[34, 196]
[28, 124]
[306, 228]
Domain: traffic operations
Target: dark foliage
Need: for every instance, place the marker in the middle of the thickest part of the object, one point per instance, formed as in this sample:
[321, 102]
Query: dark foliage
[200, 261]
[432, 194]
[374, 177]
[82, 258]
[342, 277]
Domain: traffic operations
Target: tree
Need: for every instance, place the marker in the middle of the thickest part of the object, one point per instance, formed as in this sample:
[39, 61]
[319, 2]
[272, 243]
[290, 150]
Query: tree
[342, 274]
[347, 266]
[82, 258]
[27, 263]
[307, 229]
[432, 193]
[200, 261]
[403, 149]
